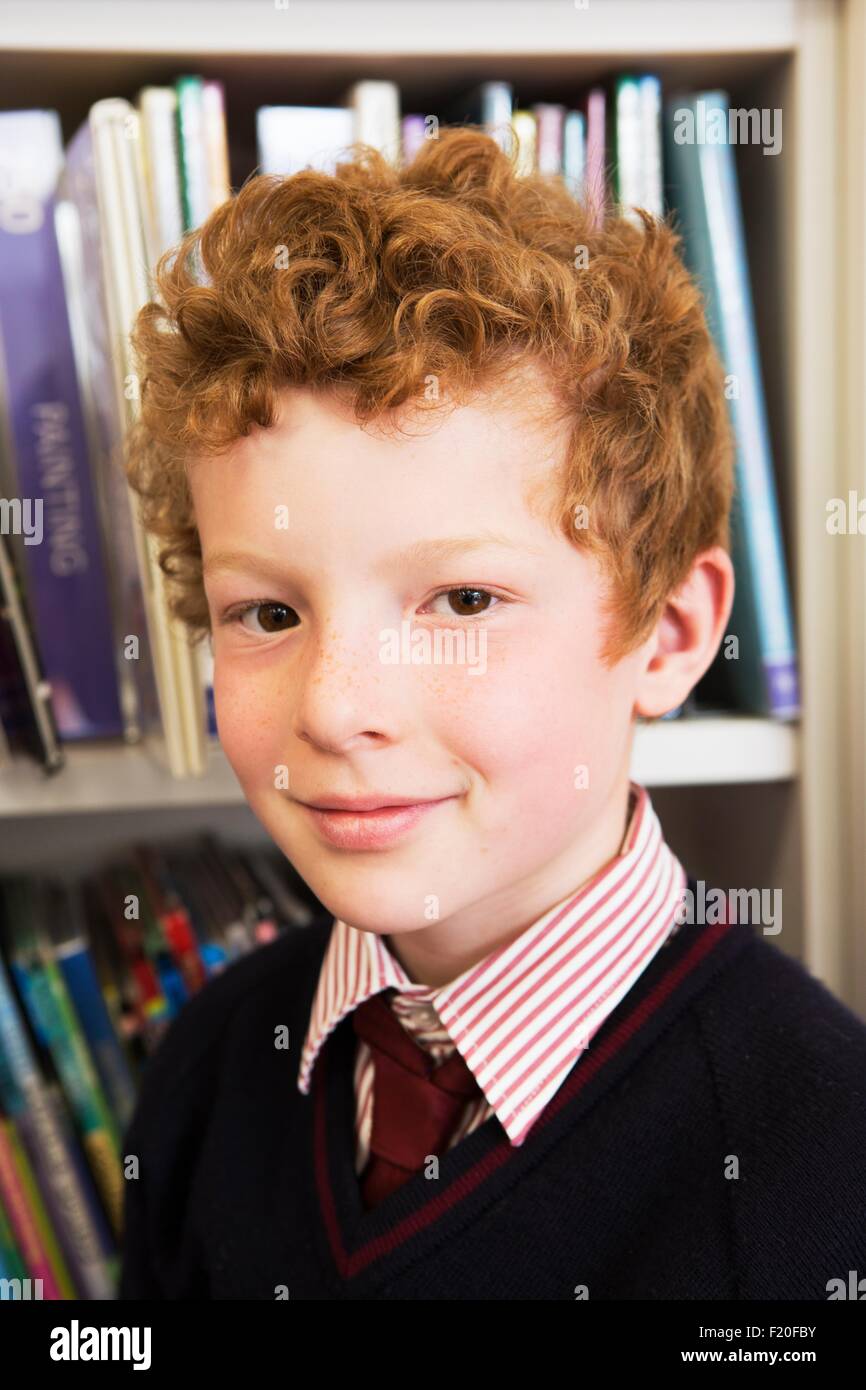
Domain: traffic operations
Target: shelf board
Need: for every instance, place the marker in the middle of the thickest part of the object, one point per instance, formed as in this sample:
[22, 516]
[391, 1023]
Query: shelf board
[385, 28]
[110, 777]
[709, 750]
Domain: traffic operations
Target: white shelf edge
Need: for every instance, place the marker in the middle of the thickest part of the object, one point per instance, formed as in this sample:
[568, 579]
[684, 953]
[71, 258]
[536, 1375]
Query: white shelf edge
[106, 777]
[102, 777]
[715, 750]
[385, 28]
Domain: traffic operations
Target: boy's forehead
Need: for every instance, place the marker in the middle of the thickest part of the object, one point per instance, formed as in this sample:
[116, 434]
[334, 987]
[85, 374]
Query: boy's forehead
[496, 436]
[498, 453]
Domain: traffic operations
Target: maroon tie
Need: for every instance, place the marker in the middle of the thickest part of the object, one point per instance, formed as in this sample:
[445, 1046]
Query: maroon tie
[416, 1104]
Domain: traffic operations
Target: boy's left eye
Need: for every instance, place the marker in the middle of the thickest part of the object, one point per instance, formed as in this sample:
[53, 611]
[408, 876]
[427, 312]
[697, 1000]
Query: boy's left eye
[268, 614]
[467, 602]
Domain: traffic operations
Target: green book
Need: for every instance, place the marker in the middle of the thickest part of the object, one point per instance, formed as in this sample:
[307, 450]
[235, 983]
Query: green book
[192, 150]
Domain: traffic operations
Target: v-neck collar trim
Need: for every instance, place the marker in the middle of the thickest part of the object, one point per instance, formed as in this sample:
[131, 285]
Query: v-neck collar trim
[369, 1245]
[357, 1236]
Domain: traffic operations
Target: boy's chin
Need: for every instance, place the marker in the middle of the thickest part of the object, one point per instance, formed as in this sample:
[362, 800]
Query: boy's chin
[379, 911]
[378, 928]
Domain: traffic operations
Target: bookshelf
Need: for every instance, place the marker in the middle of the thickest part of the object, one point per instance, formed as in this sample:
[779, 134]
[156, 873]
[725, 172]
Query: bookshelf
[729, 790]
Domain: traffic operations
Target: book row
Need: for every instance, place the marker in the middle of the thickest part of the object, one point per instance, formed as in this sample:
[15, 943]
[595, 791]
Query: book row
[92, 973]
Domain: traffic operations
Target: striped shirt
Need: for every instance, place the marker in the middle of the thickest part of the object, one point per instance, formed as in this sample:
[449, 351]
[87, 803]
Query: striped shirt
[522, 1016]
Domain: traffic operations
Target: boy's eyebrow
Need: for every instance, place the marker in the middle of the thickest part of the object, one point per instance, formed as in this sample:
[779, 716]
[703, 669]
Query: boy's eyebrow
[419, 552]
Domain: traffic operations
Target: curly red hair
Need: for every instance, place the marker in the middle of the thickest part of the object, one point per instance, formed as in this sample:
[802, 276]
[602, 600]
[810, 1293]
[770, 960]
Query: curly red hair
[375, 279]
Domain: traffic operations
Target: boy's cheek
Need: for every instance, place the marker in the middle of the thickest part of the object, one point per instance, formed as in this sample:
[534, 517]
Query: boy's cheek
[249, 720]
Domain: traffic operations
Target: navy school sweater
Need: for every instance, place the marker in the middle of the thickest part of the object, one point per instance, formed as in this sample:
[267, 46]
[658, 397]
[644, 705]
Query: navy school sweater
[709, 1144]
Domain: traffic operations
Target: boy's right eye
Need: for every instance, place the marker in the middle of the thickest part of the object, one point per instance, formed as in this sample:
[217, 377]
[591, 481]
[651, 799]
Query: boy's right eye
[271, 616]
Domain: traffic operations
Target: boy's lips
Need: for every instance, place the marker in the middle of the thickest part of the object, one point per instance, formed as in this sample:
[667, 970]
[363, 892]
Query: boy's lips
[367, 822]
[372, 802]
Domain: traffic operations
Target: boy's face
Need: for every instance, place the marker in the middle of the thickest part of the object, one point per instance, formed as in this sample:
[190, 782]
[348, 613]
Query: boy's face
[522, 737]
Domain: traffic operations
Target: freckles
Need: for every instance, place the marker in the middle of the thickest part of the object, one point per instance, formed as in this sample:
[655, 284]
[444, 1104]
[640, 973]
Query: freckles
[468, 703]
[247, 715]
[506, 714]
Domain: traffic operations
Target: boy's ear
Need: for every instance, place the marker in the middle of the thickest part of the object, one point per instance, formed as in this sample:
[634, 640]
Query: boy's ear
[687, 635]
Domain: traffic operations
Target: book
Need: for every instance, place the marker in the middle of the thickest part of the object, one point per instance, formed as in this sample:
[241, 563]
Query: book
[163, 204]
[104, 157]
[703, 184]
[12, 1266]
[78, 227]
[26, 712]
[121, 899]
[67, 932]
[64, 565]
[204, 903]
[574, 152]
[550, 123]
[66, 1186]
[172, 917]
[489, 105]
[215, 142]
[650, 91]
[197, 161]
[53, 1019]
[414, 133]
[637, 145]
[28, 1216]
[115, 983]
[292, 138]
[375, 108]
[595, 166]
[192, 151]
[523, 124]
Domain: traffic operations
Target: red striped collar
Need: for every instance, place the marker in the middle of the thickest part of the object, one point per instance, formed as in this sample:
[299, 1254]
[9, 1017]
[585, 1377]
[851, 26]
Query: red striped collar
[522, 1016]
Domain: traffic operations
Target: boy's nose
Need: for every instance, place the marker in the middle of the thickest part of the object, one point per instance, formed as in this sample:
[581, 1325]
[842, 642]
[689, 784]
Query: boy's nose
[345, 691]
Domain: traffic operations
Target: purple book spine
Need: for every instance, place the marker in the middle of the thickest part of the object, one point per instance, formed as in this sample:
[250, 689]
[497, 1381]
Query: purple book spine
[62, 544]
[414, 133]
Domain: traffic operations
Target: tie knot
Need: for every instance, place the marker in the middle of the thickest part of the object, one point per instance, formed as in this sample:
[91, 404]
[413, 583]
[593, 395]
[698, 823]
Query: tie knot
[417, 1105]
[376, 1022]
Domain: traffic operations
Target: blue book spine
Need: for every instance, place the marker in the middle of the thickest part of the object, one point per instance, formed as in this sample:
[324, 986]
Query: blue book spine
[705, 191]
[62, 545]
[215, 957]
[574, 152]
[172, 982]
[81, 981]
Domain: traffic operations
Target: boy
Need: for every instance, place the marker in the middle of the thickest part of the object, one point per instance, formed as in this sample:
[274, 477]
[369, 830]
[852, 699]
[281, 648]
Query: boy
[474, 454]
